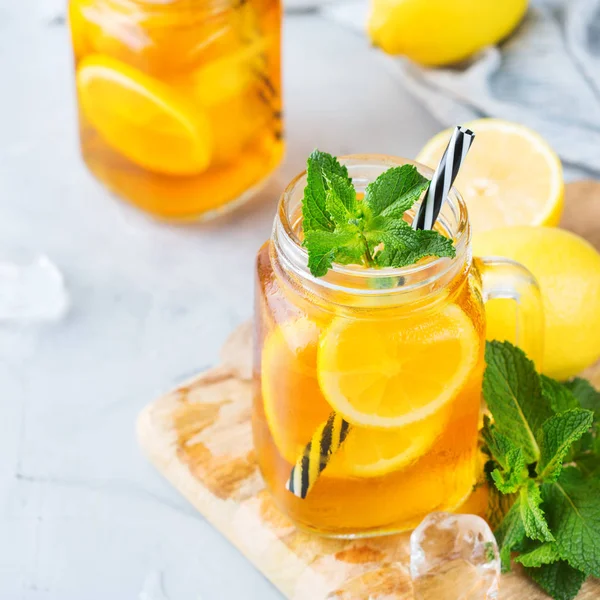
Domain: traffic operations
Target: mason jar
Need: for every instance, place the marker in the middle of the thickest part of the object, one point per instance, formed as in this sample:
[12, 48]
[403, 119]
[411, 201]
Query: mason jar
[368, 381]
[179, 100]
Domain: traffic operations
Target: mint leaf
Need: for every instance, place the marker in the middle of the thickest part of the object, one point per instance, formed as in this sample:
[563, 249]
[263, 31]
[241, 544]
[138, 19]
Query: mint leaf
[588, 398]
[559, 580]
[351, 253]
[573, 513]
[320, 166]
[510, 534]
[337, 210]
[556, 505]
[587, 395]
[512, 391]
[555, 438]
[395, 191]
[397, 238]
[340, 199]
[543, 554]
[325, 246]
[589, 465]
[403, 245]
[430, 243]
[371, 232]
[497, 445]
[532, 515]
[512, 477]
[560, 397]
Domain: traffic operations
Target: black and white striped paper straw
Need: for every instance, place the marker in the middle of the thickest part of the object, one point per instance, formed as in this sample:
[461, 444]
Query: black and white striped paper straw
[443, 178]
[325, 442]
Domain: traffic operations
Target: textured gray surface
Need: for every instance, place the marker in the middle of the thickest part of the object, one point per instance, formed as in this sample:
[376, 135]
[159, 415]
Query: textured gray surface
[82, 515]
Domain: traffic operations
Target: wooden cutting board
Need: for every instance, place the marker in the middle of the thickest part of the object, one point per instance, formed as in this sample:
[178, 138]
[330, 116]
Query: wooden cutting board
[199, 437]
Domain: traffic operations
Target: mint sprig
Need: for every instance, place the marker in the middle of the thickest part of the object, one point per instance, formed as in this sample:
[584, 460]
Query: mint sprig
[340, 228]
[558, 579]
[542, 444]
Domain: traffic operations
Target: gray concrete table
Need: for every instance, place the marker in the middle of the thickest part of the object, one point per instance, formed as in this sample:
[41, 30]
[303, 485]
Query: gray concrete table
[82, 515]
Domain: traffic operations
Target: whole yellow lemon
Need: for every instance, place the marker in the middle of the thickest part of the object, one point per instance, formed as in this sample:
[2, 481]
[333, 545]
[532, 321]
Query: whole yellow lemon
[440, 32]
[567, 269]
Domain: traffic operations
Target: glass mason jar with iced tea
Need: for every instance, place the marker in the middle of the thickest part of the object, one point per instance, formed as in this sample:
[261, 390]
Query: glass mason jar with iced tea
[179, 100]
[376, 373]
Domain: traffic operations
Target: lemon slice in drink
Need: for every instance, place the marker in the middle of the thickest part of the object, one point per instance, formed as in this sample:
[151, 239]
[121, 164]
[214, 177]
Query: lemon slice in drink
[293, 403]
[295, 406]
[392, 373]
[510, 177]
[225, 78]
[369, 452]
[143, 118]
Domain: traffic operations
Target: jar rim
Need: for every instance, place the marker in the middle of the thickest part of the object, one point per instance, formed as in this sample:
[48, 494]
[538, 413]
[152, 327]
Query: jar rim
[416, 275]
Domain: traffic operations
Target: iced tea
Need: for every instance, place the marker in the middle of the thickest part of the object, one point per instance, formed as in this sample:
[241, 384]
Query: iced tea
[387, 364]
[179, 101]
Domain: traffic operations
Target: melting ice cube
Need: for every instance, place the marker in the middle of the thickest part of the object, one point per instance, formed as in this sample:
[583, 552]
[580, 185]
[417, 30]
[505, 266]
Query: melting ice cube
[31, 291]
[454, 557]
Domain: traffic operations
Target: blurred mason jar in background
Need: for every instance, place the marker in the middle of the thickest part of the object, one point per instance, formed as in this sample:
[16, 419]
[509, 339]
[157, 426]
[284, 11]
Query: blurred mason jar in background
[179, 100]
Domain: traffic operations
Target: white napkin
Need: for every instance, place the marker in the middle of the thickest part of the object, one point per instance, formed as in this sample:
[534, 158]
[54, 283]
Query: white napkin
[546, 76]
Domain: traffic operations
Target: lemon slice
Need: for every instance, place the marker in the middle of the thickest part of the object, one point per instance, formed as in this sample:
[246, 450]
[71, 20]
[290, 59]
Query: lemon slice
[142, 118]
[369, 452]
[510, 177]
[391, 373]
[293, 402]
[222, 79]
[294, 407]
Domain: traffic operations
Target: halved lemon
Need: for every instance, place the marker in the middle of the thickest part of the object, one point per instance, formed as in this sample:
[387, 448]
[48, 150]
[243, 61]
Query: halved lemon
[295, 406]
[511, 175]
[392, 373]
[143, 118]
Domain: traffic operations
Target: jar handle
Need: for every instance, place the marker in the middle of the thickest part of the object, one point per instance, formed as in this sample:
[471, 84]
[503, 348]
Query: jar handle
[506, 279]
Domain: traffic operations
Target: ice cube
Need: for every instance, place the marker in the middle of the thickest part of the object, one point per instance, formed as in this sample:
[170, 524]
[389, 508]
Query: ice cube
[31, 291]
[454, 557]
[153, 587]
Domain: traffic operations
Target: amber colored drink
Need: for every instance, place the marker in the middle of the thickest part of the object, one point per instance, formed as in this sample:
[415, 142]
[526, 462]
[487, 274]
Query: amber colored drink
[399, 354]
[180, 100]
[376, 481]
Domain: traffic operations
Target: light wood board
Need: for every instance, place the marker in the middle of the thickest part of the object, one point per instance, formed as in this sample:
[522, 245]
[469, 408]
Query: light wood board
[199, 438]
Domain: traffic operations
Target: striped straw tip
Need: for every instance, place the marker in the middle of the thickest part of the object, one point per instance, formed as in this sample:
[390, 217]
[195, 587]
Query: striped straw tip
[325, 442]
[443, 178]
[300, 491]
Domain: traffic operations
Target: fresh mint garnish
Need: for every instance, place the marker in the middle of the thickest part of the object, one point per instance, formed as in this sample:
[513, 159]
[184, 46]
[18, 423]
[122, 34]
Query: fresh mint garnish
[340, 228]
[315, 215]
[573, 511]
[556, 437]
[509, 480]
[513, 394]
[558, 579]
[544, 471]
[532, 514]
[557, 395]
[545, 554]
